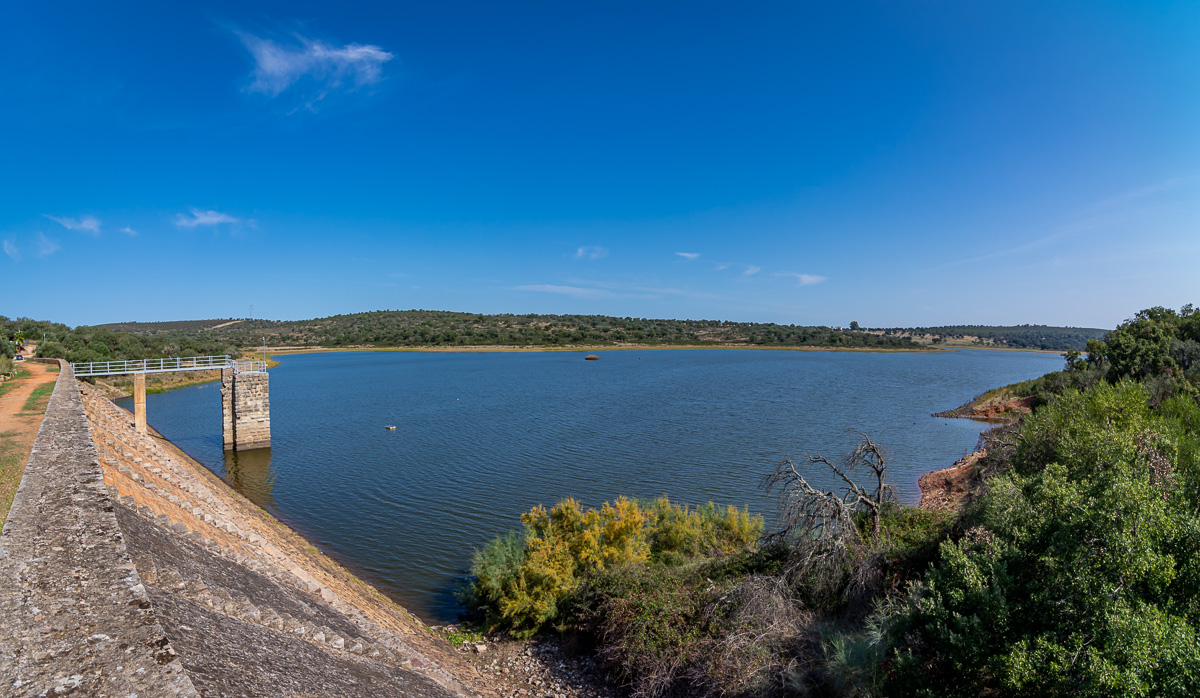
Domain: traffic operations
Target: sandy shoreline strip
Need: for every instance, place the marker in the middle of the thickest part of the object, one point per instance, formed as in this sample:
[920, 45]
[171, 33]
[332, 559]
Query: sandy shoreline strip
[283, 351]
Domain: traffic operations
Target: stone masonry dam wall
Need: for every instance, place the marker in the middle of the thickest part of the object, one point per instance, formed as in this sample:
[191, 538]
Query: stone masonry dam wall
[127, 568]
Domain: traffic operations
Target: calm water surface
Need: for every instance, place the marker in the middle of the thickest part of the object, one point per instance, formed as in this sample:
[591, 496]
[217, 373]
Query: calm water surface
[482, 437]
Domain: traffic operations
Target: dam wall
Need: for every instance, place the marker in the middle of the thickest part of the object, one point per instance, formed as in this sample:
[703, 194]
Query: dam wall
[74, 614]
[128, 568]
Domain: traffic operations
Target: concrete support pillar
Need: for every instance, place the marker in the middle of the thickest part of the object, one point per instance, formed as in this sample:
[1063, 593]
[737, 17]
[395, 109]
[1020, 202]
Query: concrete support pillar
[245, 410]
[139, 403]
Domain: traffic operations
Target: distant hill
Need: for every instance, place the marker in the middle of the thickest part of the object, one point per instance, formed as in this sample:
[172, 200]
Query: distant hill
[1013, 337]
[404, 328]
[413, 328]
[156, 327]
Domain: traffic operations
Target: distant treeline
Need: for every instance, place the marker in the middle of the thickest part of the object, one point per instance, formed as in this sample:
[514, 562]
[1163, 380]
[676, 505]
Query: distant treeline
[441, 328]
[433, 328]
[1016, 336]
[84, 343]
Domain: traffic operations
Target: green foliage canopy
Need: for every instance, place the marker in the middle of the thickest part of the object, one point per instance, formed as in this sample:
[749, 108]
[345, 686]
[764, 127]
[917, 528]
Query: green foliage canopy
[1081, 573]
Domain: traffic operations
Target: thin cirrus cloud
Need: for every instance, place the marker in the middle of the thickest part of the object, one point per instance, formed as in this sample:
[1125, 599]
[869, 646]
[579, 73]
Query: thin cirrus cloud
[751, 270]
[279, 66]
[87, 224]
[199, 218]
[44, 246]
[803, 279]
[689, 255]
[129, 231]
[574, 291]
[591, 252]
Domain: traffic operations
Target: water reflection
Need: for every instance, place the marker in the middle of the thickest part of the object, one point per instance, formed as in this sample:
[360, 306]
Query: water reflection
[250, 473]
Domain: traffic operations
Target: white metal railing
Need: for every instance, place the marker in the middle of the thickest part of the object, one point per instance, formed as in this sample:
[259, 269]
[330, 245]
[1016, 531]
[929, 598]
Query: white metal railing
[192, 363]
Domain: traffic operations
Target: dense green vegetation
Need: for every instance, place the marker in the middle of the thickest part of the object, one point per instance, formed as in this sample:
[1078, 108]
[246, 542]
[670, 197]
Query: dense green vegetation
[439, 328]
[522, 581]
[1015, 337]
[85, 343]
[1079, 570]
[1073, 568]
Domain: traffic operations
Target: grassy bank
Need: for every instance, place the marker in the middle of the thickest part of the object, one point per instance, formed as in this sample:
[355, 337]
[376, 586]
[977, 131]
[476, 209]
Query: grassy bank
[23, 401]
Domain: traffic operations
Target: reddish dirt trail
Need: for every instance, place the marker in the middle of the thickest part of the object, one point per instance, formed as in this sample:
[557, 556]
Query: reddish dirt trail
[18, 428]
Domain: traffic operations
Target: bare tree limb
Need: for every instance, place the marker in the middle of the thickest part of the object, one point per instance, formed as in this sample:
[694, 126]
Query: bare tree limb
[819, 525]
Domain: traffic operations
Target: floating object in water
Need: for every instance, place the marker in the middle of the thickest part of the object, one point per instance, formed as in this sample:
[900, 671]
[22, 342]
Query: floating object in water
[390, 428]
[591, 357]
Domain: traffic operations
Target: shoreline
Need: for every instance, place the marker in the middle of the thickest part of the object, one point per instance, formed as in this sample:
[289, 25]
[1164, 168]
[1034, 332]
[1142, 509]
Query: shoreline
[501, 349]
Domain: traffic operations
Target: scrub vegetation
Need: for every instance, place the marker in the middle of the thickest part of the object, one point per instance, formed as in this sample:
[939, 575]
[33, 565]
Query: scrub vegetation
[1073, 568]
[1039, 337]
[430, 328]
[57, 341]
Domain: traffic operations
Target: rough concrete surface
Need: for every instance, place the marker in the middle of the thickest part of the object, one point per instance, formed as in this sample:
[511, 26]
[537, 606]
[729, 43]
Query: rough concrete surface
[74, 616]
[126, 571]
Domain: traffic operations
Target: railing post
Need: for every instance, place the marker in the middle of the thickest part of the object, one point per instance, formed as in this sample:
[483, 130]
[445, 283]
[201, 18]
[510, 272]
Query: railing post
[139, 402]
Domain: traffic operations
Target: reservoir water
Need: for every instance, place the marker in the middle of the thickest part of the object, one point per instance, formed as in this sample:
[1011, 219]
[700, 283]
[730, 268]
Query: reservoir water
[482, 437]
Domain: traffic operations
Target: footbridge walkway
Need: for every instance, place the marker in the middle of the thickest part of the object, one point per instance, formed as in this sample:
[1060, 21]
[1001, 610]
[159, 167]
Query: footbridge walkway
[245, 399]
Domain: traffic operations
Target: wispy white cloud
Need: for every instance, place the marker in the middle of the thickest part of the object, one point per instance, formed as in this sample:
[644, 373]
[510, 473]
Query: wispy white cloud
[43, 246]
[722, 266]
[129, 231]
[1098, 216]
[751, 270]
[689, 255]
[278, 66]
[633, 290]
[87, 224]
[203, 218]
[591, 252]
[575, 291]
[1144, 191]
[10, 249]
[803, 279]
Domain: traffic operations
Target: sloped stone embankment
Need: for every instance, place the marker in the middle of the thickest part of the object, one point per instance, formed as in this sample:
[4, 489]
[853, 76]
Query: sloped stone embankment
[126, 568]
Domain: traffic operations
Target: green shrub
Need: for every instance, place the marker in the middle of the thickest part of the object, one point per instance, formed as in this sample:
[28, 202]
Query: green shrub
[678, 533]
[521, 581]
[1082, 578]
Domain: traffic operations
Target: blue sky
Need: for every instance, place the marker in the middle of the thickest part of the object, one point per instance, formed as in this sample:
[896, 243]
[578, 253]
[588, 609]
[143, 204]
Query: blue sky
[897, 163]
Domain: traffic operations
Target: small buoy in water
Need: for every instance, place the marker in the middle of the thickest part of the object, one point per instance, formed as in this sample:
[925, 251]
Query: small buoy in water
[591, 357]
[390, 428]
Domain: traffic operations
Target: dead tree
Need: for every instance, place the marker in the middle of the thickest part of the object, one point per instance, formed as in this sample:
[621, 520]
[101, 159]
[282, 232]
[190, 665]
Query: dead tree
[821, 525]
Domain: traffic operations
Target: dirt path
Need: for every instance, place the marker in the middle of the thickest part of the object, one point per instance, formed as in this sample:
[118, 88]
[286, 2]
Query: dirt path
[19, 426]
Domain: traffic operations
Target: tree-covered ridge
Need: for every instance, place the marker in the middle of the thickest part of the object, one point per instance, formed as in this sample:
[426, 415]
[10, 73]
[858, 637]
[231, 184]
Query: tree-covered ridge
[411, 328]
[84, 343]
[407, 328]
[1013, 336]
